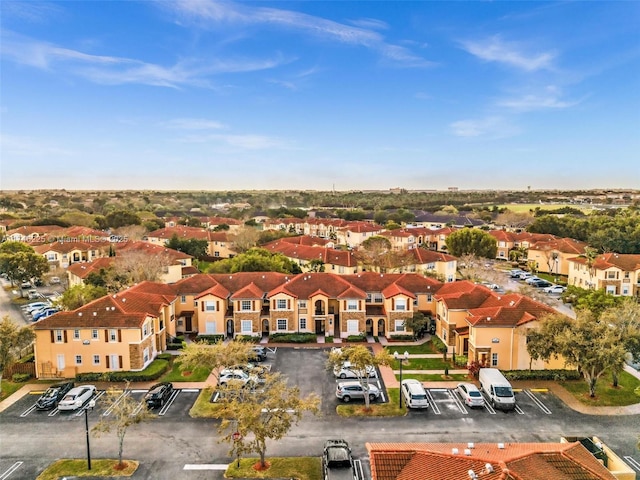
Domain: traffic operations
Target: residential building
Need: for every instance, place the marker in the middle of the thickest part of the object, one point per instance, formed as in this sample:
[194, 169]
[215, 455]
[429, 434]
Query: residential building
[617, 273]
[551, 256]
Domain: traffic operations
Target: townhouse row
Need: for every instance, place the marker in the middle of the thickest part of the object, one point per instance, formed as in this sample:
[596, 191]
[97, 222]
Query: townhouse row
[126, 331]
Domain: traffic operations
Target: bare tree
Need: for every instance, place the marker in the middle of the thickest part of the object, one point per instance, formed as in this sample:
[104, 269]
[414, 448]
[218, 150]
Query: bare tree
[139, 266]
[246, 238]
[131, 232]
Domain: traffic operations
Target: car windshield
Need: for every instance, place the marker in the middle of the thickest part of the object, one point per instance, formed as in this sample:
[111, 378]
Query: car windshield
[51, 392]
[473, 393]
[503, 392]
[419, 397]
[69, 397]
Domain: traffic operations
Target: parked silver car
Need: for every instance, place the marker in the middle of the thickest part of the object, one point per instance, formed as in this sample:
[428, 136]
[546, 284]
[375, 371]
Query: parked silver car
[470, 395]
[348, 391]
[348, 371]
[77, 397]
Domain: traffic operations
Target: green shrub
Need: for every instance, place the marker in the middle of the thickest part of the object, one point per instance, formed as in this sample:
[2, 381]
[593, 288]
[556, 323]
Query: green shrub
[461, 361]
[293, 337]
[165, 356]
[210, 339]
[556, 375]
[401, 338]
[20, 377]
[248, 338]
[155, 370]
[329, 339]
[356, 338]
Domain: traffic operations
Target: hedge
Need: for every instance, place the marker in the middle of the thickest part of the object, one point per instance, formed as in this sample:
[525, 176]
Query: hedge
[556, 375]
[401, 338]
[356, 338]
[293, 338]
[155, 370]
[210, 339]
[20, 377]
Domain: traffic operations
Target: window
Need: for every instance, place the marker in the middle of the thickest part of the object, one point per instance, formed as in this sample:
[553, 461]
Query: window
[113, 335]
[399, 326]
[377, 298]
[401, 303]
[96, 359]
[94, 334]
[282, 324]
[302, 304]
[245, 305]
[494, 359]
[216, 254]
[210, 328]
[183, 299]
[145, 329]
[430, 266]
[444, 334]
[281, 304]
[145, 355]
[59, 336]
[415, 302]
[368, 297]
[303, 324]
[78, 359]
[76, 334]
[352, 327]
[428, 297]
[352, 305]
[210, 306]
[246, 326]
[611, 274]
[626, 274]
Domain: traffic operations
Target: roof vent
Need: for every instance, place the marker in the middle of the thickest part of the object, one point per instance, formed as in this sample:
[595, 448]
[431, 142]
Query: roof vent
[472, 475]
[512, 303]
[470, 445]
[488, 468]
[501, 446]
[79, 314]
[95, 313]
[467, 451]
[488, 319]
[454, 451]
[124, 300]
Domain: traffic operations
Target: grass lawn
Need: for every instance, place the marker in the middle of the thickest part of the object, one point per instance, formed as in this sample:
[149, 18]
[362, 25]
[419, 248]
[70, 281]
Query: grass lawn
[436, 377]
[78, 468]
[525, 207]
[203, 408]
[301, 468]
[423, 364]
[389, 409]
[9, 388]
[200, 374]
[427, 347]
[606, 395]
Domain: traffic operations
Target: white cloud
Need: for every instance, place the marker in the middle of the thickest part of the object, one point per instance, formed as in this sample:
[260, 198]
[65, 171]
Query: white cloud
[29, 147]
[488, 127]
[242, 142]
[204, 12]
[194, 124]
[120, 70]
[494, 49]
[550, 98]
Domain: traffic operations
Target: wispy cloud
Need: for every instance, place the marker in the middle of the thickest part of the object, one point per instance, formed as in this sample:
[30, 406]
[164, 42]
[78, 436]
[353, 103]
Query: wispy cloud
[28, 147]
[112, 70]
[35, 12]
[489, 127]
[193, 124]
[205, 13]
[494, 49]
[243, 142]
[549, 98]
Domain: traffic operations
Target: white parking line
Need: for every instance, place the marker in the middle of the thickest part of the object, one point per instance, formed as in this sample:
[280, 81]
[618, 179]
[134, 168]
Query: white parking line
[54, 412]
[432, 402]
[80, 412]
[28, 410]
[633, 462]
[206, 466]
[190, 390]
[166, 406]
[487, 405]
[10, 470]
[518, 410]
[357, 464]
[538, 402]
[108, 411]
[453, 395]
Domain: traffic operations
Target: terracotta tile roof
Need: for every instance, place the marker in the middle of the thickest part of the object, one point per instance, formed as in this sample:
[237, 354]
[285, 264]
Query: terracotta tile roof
[377, 282]
[395, 289]
[181, 231]
[508, 310]
[307, 253]
[626, 262]
[515, 461]
[463, 295]
[215, 221]
[304, 285]
[361, 227]
[564, 245]
[423, 255]
[307, 240]
[151, 249]
[250, 291]
[83, 269]
[69, 246]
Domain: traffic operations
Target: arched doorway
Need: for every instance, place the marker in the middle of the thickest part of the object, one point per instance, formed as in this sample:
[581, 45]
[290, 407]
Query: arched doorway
[369, 326]
[265, 327]
[230, 328]
[319, 307]
[381, 327]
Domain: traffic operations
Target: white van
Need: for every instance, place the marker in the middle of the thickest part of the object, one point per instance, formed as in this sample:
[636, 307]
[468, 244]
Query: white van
[497, 388]
[414, 394]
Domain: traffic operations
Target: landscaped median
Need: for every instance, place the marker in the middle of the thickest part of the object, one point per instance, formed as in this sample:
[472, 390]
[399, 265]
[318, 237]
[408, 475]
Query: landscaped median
[78, 468]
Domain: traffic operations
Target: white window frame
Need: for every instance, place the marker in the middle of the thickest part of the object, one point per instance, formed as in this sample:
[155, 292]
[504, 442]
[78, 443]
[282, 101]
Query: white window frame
[400, 304]
[378, 298]
[145, 355]
[352, 305]
[399, 326]
[96, 359]
[183, 299]
[59, 336]
[95, 334]
[76, 334]
[246, 326]
[113, 335]
[281, 304]
[209, 306]
[302, 323]
[78, 359]
[281, 324]
[302, 304]
[245, 305]
[494, 359]
[353, 327]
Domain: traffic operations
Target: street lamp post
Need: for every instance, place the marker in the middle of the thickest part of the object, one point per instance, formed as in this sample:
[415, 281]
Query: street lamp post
[90, 405]
[401, 358]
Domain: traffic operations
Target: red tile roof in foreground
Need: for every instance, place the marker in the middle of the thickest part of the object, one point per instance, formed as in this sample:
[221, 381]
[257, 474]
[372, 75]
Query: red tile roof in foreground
[514, 461]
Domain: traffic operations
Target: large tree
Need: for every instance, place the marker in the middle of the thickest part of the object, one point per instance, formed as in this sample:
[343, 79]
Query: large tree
[191, 246]
[13, 339]
[79, 295]
[21, 263]
[375, 254]
[360, 357]
[256, 260]
[471, 241]
[624, 321]
[245, 238]
[586, 343]
[125, 411]
[139, 266]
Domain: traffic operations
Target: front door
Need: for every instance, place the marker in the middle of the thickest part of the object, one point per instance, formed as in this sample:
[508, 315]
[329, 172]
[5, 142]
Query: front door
[114, 362]
[230, 328]
[188, 325]
[61, 364]
[319, 327]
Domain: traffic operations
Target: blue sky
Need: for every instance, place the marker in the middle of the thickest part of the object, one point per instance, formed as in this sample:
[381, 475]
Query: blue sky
[201, 94]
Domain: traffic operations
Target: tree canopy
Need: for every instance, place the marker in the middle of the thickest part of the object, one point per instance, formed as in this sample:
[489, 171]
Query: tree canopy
[12, 340]
[256, 260]
[21, 263]
[471, 241]
[191, 246]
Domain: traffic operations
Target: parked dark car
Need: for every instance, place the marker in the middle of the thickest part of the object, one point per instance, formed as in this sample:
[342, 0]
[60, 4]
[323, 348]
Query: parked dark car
[53, 395]
[158, 395]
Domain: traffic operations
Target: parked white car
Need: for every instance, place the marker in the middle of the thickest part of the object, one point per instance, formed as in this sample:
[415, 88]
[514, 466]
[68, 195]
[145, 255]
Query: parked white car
[557, 289]
[470, 395]
[348, 371]
[77, 397]
[228, 375]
